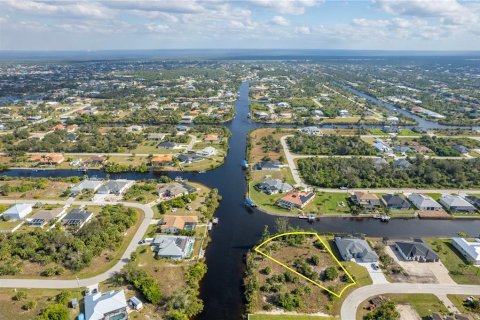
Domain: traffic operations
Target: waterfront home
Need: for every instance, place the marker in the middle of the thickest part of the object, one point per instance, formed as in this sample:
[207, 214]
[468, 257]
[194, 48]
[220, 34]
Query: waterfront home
[87, 184]
[402, 149]
[311, 130]
[273, 186]
[456, 203]
[48, 159]
[167, 145]
[207, 152]
[355, 249]
[380, 146]
[416, 251]
[422, 202]
[77, 218]
[343, 113]
[173, 224]
[17, 212]
[161, 160]
[211, 138]
[395, 202]
[173, 247]
[475, 200]
[379, 163]
[110, 305]
[295, 199]
[365, 200]
[42, 217]
[469, 249]
[401, 163]
[117, 187]
[175, 189]
[272, 165]
[189, 158]
[97, 160]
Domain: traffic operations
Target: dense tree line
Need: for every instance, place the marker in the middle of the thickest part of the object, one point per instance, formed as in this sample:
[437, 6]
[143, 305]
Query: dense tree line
[329, 145]
[362, 173]
[444, 146]
[71, 251]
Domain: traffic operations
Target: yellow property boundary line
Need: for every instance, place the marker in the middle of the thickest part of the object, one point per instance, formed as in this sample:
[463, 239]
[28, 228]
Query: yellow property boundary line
[257, 249]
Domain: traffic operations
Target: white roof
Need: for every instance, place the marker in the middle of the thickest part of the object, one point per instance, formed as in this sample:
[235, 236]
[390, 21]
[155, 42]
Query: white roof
[455, 201]
[471, 248]
[18, 208]
[420, 200]
[98, 304]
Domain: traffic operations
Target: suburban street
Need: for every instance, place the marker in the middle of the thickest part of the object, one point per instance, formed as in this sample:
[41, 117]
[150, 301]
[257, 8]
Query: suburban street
[78, 283]
[353, 301]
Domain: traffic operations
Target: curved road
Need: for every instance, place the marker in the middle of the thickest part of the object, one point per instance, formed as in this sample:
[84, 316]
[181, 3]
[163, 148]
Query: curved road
[353, 301]
[74, 283]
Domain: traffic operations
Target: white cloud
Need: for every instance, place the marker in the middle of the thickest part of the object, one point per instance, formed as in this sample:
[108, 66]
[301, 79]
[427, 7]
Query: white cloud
[79, 9]
[293, 7]
[280, 21]
[304, 30]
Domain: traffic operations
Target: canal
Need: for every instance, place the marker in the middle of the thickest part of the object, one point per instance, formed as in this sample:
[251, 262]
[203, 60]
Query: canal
[239, 229]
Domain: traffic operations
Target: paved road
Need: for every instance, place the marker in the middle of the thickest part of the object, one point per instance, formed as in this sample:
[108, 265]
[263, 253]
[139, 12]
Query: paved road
[62, 284]
[353, 301]
[299, 182]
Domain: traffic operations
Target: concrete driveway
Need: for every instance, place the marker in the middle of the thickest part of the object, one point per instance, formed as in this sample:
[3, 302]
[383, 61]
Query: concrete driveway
[377, 275]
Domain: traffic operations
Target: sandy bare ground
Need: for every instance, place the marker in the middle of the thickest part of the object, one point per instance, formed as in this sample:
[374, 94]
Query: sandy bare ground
[407, 312]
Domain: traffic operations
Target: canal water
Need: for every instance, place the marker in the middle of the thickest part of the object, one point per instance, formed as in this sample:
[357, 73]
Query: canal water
[239, 229]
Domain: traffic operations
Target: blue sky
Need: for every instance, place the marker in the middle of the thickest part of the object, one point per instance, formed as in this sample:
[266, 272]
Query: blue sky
[290, 24]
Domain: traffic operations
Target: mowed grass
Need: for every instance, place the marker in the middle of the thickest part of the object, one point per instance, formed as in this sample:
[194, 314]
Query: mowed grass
[329, 203]
[286, 317]
[459, 300]
[424, 304]
[457, 266]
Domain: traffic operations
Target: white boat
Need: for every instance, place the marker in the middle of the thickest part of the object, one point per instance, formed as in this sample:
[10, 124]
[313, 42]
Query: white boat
[209, 226]
[215, 220]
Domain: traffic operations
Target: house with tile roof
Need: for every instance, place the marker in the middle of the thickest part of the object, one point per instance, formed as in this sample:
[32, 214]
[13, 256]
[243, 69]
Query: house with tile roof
[295, 199]
[365, 200]
[173, 224]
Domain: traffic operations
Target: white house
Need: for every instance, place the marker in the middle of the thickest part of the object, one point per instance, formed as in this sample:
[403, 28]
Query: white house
[470, 250]
[109, 305]
[422, 202]
[18, 211]
[208, 151]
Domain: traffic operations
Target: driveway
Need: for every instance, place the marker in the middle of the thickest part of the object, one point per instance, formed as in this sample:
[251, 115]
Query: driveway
[377, 275]
[431, 272]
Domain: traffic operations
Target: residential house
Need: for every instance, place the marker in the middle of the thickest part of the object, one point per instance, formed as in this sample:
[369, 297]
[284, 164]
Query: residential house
[311, 130]
[272, 165]
[173, 224]
[422, 149]
[462, 149]
[111, 305]
[416, 251]
[365, 200]
[395, 202]
[189, 158]
[295, 199]
[379, 163]
[77, 217]
[401, 163]
[474, 200]
[97, 160]
[211, 138]
[173, 247]
[423, 202]
[161, 160]
[469, 249]
[355, 248]
[380, 146]
[167, 145]
[456, 203]
[402, 149]
[87, 184]
[207, 152]
[118, 187]
[156, 136]
[17, 212]
[43, 217]
[48, 159]
[175, 189]
[273, 186]
[343, 113]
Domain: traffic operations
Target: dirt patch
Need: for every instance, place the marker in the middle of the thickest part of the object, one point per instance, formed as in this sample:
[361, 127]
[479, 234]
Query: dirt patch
[407, 312]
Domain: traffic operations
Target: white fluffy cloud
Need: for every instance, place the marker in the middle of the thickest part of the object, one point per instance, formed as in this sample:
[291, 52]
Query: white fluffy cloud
[280, 21]
[293, 7]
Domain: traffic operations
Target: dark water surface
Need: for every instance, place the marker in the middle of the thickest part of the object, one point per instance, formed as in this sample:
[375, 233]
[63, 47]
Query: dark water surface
[239, 229]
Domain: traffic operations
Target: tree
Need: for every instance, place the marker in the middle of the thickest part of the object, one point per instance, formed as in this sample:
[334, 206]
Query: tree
[281, 225]
[265, 234]
[289, 301]
[54, 312]
[30, 305]
[385, 311]
[330, 274]
[20, 295]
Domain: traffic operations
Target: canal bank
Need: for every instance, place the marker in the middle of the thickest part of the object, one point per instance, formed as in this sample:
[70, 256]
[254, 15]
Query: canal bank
[240, 228]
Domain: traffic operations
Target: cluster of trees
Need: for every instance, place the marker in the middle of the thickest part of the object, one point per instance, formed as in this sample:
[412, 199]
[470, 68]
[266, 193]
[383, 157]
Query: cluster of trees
[362, 173]
[143, 282]
[26, 186]
[444, 146]
[178, 202]
[211, 203]
[72, 251]
[185, 303]
[115, 167]
[386, 310]
[329, 145]
[269, 143]
[138, 190]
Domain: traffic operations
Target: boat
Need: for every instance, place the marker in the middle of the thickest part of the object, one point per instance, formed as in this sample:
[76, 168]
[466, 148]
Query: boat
[249, 203]
[244, 164]
[249, 115]
[385, 218]
[203, 171]
[209, 226]
[215, 220]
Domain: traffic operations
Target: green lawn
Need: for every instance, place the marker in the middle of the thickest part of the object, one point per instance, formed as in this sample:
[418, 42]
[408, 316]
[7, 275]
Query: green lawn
[377, 132]
[457, 266]
[458, 301]
[265, 201]
[286, 317]
[408, 132]
[424, 304]
[9, 225]
[327, 203]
